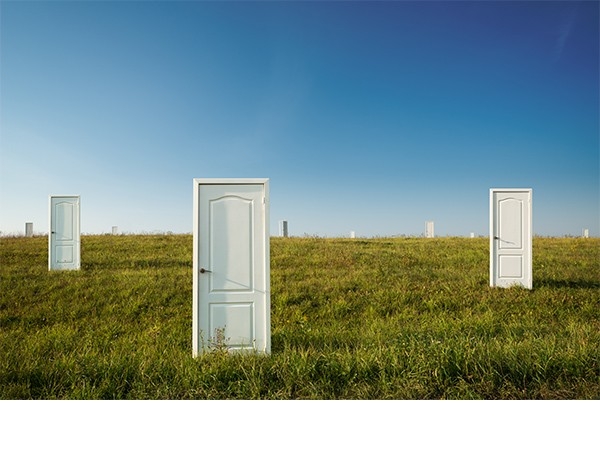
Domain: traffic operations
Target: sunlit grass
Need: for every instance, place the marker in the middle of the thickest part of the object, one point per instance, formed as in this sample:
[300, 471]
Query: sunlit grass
[402, 318]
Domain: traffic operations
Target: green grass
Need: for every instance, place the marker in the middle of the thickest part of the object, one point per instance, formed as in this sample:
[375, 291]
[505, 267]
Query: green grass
[403, 318]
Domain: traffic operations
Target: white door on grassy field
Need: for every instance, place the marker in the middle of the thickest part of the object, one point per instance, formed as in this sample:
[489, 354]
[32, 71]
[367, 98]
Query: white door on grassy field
[64, 235]
[231, 293]
[429, 229]
[510, 237]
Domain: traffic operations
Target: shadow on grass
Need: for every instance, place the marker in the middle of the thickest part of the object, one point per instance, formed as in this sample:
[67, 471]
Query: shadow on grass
[566, 284]
[136, 264]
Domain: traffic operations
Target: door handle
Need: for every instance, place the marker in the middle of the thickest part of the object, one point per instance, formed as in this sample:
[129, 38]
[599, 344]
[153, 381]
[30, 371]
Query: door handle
[496, 237]
[203, 270]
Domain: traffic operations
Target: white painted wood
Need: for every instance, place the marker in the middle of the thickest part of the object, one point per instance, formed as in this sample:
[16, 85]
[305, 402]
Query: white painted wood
[472, 235]
[231, 269]
[28, 229]
[115, 230]
[64, 241]
[586, 233]
[511, 237]
[352, 235]
[429, 233]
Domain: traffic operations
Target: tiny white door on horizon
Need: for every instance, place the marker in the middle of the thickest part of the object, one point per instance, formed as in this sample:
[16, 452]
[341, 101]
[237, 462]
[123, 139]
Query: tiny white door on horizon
[231, 265]
[510, 237]
[64, 235]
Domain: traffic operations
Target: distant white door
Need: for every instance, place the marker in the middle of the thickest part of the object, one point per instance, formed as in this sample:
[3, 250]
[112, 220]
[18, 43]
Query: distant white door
[64, 236]
[231, 281]
[510, 237]
[429, 229]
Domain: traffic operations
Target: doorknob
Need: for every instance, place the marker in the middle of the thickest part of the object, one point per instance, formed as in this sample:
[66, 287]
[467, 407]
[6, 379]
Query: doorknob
[496, 237]
[203, 270]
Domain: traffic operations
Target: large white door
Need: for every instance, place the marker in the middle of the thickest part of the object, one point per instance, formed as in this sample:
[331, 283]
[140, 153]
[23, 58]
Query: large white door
[231, 294]
[64, 249]
[510, 237]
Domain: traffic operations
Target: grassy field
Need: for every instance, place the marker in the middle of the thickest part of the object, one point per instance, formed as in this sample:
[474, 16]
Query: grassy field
[402, 318]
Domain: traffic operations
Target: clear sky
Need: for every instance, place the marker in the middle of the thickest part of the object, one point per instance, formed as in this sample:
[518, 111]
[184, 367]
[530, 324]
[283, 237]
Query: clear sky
[372, 117]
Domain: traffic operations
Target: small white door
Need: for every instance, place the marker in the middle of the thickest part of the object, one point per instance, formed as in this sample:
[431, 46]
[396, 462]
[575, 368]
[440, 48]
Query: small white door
[429, 229]
[510, 237]
[231, 293]
[64, 236]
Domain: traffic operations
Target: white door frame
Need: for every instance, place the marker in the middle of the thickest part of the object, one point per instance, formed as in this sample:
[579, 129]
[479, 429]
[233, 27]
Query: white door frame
[76, 263]
[199, 321]
[525, 246]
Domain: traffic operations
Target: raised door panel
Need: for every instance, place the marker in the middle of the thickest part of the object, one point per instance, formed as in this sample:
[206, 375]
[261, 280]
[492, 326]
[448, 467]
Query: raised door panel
[510, 267]
[231, 256]
[235, 321]
[63, 227]
[510, 217]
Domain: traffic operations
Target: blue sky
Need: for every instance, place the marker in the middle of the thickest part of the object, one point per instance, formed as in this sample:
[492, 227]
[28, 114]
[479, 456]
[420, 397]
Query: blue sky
[372, 117]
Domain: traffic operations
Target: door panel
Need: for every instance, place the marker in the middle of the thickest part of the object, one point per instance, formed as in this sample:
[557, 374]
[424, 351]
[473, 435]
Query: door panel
[64, 254]
[510, 267]
[510, 212]
[63, 228]
[232, 253]
[510, 237]
[231, 268]
[64, 235]
[236, 320]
